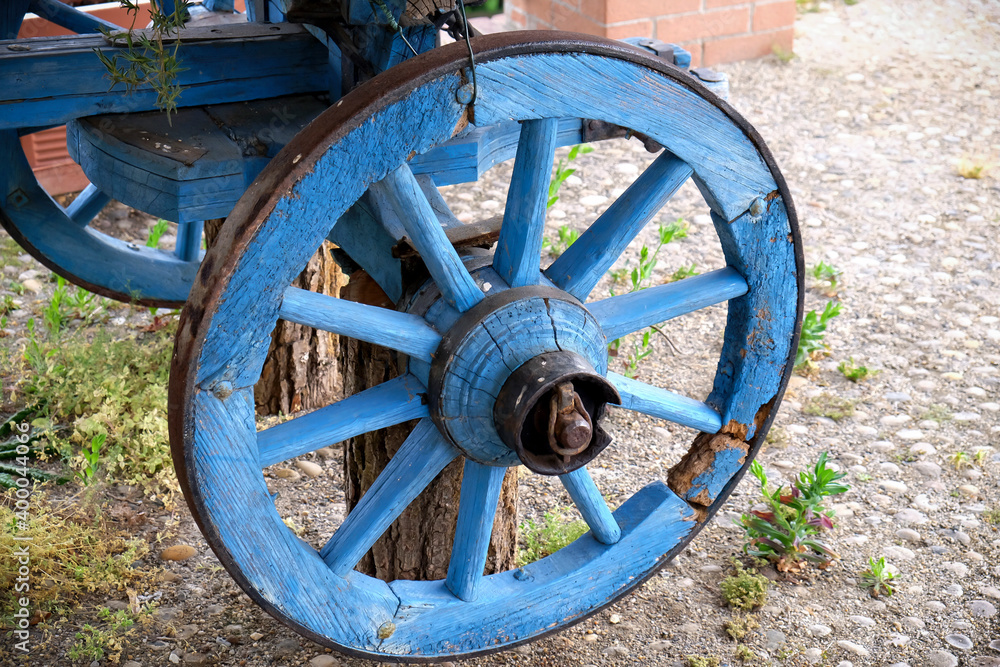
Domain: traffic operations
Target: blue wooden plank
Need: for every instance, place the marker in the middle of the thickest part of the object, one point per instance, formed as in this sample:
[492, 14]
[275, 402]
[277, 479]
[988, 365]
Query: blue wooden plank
[552, 592]
[402, 332]
[520, 245]
[227, 69]
[361, 232]
[393, 402]
[664, 404]
[87, 205]
[477, 508]
[626, 313]
[11, 14]
[419, 459]
[427, 235]
[588, 499]
[437, 202]
[71, 18]
[585, 262]
[188, 246]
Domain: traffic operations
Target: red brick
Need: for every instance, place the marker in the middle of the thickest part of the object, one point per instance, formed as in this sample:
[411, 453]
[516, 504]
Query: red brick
[746, 47]
[774, 15]
[695, 49]
[700, 26]
[633, 29]
[517, 17]
[564, 18]
[630, 10]
[714, 4]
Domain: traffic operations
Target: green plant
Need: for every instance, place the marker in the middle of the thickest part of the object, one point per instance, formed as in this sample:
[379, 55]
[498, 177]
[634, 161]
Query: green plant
[824, 272]
[855, 372]
[563, 171]
[960, 460]
[828, 405]
[91, 643]
[784, 55]
[744, 590]
[972, 169]
[740, 625]
[93, 457]
[937, 412]
[7, 304]
[567, 236]
[877, 578]
[979, 458]
[156, 232]
[786, 533]
[813, 331]
[702, 661]
[641, 349]
[992, 516]
[744, 653]
[555, 531]
[683, 272]
[147, 59]
[54, 314]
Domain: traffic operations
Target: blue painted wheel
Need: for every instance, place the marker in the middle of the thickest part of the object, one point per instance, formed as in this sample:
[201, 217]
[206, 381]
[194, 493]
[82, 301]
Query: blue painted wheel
[478, 339]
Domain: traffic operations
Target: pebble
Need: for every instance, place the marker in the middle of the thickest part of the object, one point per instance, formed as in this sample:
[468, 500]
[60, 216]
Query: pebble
[851, 647]
[813, 655]
[197, 659]
[910, 434]
[819, 630]
[615, 619]
[982, 609]
[908, 534]
[897, 639]
[883, 446]
[256, 636]
[928, 469]
[616, 651]
[959, 641]
[969, 490]
[954, 590]
[990, 591]
[913, 622]
[898, 553]
[863, 621]
[690, 628]
[326, 453]
[174, 658]
[907, 516]
[593, 200]
[773, 639]
[186, 632]
[941, 659]
[935, 605]
[309, 469]
[287, 473]
[922, 449]
[324, 661]
[178, 552]
[286, 647]
[890, 486]
[960, 570]
[660, 645]
[32, 286]
[132, 663]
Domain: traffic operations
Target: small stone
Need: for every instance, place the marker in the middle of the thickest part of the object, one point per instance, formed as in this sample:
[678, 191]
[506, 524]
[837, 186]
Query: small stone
[928, 469]
[690, 628]
[593, 200]
[982, 609]
[660, 645]
[913, 622]
[616, 651]
[959, 641]
[233, 629]
[685, 582]
[178, 552]
[213, 610]
[287, 473]
[324, 661]
[907, 516]
[934, 605]
[890, 486]
[773, 639]
[922, 449]
[132, 663]
[710, 568]
[186, 632]
[157, 645]
[899, 396]
[286, 647]
[309, 469]
[897, 639]
[898, 553]
[32, 286]
[910, 434]
[174, 658]
[197, 659]
[590, 638]
[990, 591]
[166, 614]
[960, 570]
[851, 647]
[954, 590]
[170, 577]
[941, 659]
[813, 655]
[326, 453]
[969, 490]
[256, 636]
[615, 619]
[908, 534]
[863, 621]
[883, 446]
[819, 630]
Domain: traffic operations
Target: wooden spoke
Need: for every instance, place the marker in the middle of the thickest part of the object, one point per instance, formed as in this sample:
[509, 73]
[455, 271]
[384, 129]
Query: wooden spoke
[422, 456]
[427, 235]
[520, 245]
[627, 313]
[656, 402]
[590, 502]
[87, 205]
[390, 403]
[71, 18]
[478, 506]
[398, 331]
[188, 248]
[579, 268]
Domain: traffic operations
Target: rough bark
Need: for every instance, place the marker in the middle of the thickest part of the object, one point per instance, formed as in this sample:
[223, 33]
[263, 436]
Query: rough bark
[418, 544]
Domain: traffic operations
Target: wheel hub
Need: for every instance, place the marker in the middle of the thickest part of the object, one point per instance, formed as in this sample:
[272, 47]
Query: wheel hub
[494, 385]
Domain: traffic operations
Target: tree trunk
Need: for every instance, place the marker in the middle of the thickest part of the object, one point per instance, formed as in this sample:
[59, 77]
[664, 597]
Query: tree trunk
[301, 370]
[418, 544]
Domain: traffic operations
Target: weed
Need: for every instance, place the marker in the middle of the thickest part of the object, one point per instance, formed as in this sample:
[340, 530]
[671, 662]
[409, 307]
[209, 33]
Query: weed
[777, 437]
[979, 458]
[744, 653]
[863, 477]
[72, 554]
[539, 540]
[683, 272]
[563, 171]
[7, 304]
[744, 590]
[972, 169]
[786, 534]
[784, 55]
[813, 331]
[992, 516]
[156, 233]
[567, 236]
[17, 288]
[824, 272]
[937, 412]
[740, 625]
[641, 349]
[91, 643]
[828, 405]
[702, 661]
[960, 460]
[114, 388]
[92, 457]
[854, 372]
[877, 578]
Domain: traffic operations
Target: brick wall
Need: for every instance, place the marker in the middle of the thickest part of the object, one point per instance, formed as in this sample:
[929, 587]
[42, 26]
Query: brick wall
[714, 31]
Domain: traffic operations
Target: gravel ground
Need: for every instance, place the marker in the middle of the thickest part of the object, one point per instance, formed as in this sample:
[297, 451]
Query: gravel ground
[869, 123]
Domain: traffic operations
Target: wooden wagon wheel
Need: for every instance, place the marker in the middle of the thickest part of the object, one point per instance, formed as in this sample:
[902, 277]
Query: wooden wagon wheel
[60, 237]
[494, 346]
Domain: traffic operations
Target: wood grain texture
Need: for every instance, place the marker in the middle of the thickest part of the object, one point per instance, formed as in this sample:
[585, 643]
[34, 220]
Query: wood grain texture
[398, 331]
[591, 504]
[387, 404]
[87, 205]
[424, 454]
[519, 248]
[656, 402]
[188, 245]
[585, 262]
[476, 511]
[628, 313]
[11, 14]
[70, 18]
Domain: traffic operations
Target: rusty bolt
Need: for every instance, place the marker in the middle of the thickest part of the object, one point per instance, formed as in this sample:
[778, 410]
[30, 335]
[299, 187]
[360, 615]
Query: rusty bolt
[570, 427]
[222, 390]
[756, 207]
